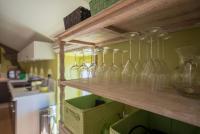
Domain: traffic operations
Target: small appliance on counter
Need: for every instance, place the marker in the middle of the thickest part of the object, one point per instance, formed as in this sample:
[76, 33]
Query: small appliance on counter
[15, 74]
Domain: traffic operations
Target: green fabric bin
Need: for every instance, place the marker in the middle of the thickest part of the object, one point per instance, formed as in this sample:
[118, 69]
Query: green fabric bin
[82, 117]
[152, 121]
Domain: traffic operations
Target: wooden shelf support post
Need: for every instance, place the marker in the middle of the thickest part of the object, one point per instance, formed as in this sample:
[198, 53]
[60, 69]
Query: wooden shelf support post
[62, 77]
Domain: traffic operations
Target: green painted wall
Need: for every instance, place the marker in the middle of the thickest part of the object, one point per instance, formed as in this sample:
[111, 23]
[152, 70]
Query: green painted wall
[41, 68]
[178, 39]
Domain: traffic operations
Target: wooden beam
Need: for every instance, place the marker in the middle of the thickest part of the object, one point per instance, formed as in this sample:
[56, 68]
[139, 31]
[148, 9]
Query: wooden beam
[112, 41]
[116, 29]
[82, 42]
[62, 77]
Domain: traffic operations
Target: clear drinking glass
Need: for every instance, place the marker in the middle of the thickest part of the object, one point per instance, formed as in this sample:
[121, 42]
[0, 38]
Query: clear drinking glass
[83, 68]
[129, 68]
[93, 66]
[74, 70]
[139, 64]
[113, 74]
[101, 69]
[123, 52]
[166, 72]
[151, 67]
[186, 78]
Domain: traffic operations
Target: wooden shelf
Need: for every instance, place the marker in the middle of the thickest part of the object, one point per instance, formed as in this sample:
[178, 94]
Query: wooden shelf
[133, 15]
[168, 103]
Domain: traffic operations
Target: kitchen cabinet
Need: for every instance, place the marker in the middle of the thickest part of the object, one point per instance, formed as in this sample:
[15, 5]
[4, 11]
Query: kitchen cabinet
[37, 50]
[27, 111]
[129, 16]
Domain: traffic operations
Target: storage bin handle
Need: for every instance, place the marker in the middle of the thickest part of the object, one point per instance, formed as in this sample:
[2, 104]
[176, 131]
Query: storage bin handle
[74, 114]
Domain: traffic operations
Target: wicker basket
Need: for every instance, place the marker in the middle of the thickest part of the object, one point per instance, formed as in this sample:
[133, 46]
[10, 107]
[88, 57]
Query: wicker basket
[76, 16]
[81, 116]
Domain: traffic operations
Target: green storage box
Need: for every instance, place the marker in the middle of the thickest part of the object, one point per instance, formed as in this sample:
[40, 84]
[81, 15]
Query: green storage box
[152, 121]
[98, 5]
[82, 117]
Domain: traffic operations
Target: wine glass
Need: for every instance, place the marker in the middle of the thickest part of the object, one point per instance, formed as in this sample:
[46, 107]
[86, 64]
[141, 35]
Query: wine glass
[74, 70]
[93, 66]
[151, 67]
[165, 83]
[101, 69]
[123, 52]
[113, 74]
[139, 64]
[83, 68]
[129, 68]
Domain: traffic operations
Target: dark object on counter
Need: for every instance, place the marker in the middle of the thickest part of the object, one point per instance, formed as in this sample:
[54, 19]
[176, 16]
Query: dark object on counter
[13, 73]
[21, 84]
[99, 102]
[5, 95]
[146, 130]
[35, 78]
[76, 16]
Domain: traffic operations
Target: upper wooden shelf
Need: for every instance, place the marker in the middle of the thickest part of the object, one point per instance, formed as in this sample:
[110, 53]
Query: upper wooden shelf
[132, 15]
[168, 103]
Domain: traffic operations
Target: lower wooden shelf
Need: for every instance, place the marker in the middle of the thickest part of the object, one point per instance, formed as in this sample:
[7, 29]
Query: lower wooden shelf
[168, 103]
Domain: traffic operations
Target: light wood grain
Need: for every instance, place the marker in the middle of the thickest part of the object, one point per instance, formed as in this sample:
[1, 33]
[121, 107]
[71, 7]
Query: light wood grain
[168, 103]
[62, 77]
[138, 15]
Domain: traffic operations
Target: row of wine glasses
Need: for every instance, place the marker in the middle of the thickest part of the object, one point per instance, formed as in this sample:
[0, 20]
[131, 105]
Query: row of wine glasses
[83, 70]
[150, 70]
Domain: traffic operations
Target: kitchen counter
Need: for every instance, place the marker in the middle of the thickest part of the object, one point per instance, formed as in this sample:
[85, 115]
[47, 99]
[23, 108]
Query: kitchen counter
[28, 106]
[17, 93]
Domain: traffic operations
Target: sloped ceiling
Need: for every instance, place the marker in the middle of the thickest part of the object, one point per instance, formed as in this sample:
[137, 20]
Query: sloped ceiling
[22, 21]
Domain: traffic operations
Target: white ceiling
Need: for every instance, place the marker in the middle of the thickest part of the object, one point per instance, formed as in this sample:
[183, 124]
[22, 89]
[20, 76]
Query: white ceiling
[22, 21]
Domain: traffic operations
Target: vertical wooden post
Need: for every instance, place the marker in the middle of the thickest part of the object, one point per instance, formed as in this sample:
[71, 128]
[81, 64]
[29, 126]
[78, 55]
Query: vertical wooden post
[62, 78]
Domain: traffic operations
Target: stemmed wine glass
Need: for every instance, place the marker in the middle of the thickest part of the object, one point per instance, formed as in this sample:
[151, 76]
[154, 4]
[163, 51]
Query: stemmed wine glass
[155, 73]
[101, 69]
[151, 67]
[93, 66]
[165, 83]
[74, 70]
[113, 74]
[139, 64]
[123, 52]
[83, 68]
[129, 68]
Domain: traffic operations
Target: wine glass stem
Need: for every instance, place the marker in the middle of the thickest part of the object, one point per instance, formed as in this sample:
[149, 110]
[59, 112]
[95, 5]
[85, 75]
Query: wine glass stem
[93, 56]
[139, 52]
[103, 57]
[83, 58]
[122, 58]
[75, 59]
[163, 49]
[113, 58]
[151, 47]
[130, 47]
[147, 51]
[158, 48]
